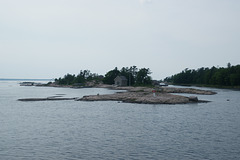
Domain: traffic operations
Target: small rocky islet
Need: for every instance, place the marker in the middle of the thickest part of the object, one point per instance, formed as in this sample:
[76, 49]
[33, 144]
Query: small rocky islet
[142, 95]
[145, 95]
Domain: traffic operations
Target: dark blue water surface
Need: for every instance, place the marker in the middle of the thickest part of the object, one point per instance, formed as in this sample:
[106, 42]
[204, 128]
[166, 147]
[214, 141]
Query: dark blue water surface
[74, 130]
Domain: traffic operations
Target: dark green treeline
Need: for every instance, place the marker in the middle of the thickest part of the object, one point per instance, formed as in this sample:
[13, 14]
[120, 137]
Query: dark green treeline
[80, 79]
[229, 76]
[133, 75]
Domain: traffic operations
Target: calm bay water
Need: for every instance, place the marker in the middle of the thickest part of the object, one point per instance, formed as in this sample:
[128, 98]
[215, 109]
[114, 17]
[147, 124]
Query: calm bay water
[111, 130]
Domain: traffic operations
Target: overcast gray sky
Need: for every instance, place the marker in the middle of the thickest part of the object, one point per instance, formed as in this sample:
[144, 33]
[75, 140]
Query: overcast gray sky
[49, 38]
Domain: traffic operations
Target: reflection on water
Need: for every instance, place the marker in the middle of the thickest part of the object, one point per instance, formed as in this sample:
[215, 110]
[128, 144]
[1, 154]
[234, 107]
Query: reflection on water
[112, 130]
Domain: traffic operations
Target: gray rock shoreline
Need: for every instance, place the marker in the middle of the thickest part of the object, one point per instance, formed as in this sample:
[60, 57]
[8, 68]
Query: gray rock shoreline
[46, 99]
[146, 95]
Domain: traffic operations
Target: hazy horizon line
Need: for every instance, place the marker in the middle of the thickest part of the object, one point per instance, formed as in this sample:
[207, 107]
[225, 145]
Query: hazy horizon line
[33, 79]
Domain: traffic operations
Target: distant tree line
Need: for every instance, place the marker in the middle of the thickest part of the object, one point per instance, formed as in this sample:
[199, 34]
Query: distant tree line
[229, 76]
[133, 75]
[80, 79]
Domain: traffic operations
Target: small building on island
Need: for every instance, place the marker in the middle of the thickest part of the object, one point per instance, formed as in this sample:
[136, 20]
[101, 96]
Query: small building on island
[120, 81]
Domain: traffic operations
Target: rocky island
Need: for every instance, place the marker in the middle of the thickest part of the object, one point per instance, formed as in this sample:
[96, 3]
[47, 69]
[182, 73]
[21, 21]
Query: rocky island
[129, 77]
[145, 95]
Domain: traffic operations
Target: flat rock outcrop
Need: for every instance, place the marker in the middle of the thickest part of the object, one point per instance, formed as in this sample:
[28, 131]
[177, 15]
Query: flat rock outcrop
[162, 90]
[149, 96]
[138, 97]
[45, 99]
[187, 90]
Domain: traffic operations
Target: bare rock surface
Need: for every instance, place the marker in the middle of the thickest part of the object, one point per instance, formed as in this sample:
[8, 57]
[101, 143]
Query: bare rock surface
[138, 97]
[161, 89]
[187, 90]
[149, 95]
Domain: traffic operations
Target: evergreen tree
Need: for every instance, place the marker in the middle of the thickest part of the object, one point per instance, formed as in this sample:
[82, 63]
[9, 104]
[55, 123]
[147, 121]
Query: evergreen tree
[142, 77]
[110, 76]
[129, 74]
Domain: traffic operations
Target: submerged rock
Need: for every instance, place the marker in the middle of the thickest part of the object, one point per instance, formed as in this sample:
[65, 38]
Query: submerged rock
[45, 99]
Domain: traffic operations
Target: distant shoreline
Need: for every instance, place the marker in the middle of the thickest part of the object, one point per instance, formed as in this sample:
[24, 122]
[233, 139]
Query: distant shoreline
[209, 86]
[22, 79]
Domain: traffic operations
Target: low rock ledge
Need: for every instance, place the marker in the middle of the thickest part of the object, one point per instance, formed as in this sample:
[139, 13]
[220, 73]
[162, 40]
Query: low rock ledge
[143, 98]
